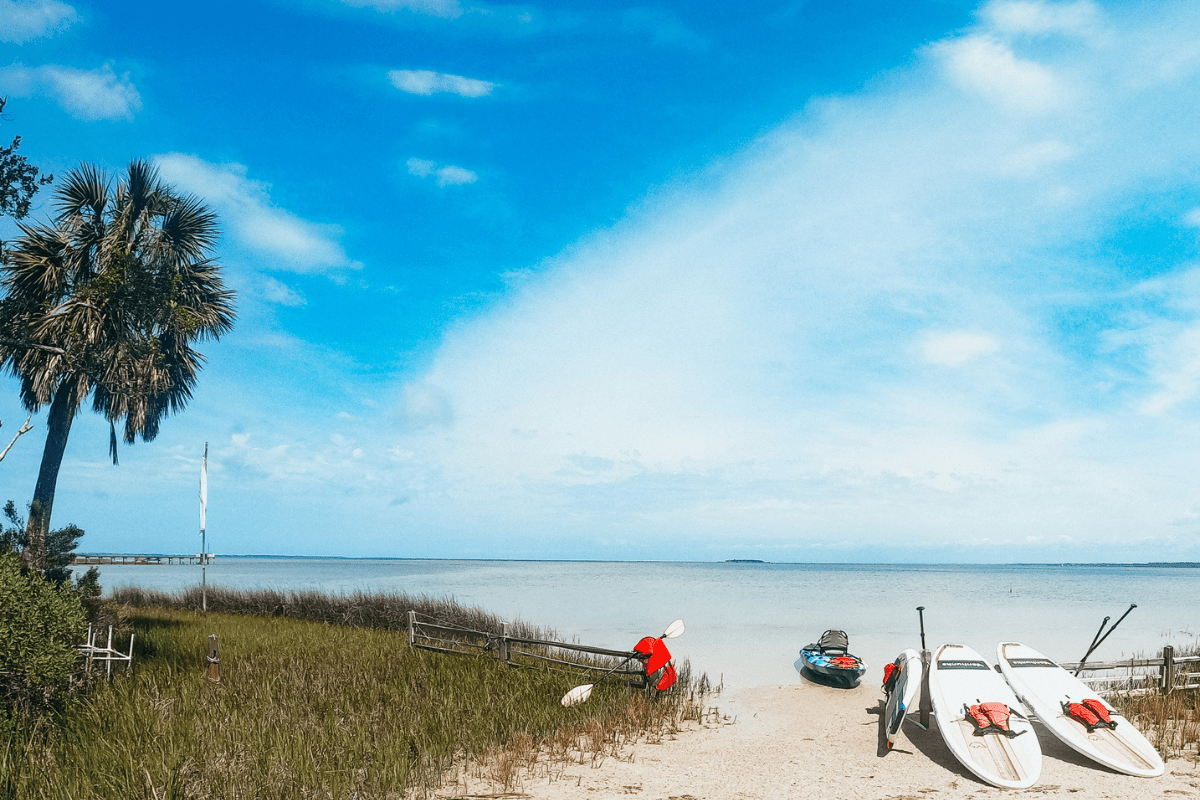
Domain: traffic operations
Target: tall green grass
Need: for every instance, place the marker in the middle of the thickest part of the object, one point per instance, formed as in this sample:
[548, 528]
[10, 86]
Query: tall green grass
[386, 611]
[1171, 722]
[312, 710]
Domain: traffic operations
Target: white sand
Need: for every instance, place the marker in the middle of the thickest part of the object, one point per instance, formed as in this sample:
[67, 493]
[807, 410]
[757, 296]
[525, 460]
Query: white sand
[809, 741]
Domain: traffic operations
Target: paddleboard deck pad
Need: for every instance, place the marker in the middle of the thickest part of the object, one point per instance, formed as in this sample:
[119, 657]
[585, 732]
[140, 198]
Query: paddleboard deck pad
[901, 684]
[980, 721]
[1046, 688]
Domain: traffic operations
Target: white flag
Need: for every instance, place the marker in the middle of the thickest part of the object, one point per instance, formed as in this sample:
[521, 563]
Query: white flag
[203, 487]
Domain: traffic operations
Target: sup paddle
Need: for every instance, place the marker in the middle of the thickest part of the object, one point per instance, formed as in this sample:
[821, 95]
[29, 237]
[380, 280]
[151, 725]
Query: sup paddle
[921, 614]
[581, 693]
[1096, 644]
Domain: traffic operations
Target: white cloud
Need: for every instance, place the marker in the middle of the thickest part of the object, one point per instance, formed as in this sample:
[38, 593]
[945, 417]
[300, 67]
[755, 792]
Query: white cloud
[21, 22]
[425, 82]
[1036, 17]
[449, 9]
[287, 241]
[731, 363]
[85, 94]
[987, 67]
[446, 176]
[957, 348]
[276, 292]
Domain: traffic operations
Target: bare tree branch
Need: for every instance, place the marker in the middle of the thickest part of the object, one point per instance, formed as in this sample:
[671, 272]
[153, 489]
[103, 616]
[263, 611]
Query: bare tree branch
[26, 428]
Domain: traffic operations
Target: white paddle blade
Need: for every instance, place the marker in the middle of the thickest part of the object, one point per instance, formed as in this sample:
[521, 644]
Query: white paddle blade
[577, 695]
[674, 630]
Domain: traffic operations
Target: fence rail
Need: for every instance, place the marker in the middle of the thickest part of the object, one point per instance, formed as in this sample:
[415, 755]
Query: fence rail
[518, 651]
[1165, 674]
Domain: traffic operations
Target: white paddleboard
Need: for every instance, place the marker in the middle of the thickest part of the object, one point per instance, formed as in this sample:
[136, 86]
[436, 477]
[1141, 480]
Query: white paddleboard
[960, 678]
[1044, 686]
[903, 691]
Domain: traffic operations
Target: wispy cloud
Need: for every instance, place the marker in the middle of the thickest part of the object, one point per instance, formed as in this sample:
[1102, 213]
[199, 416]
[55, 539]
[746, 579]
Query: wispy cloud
[988, 67]
[447, 175]
[22, 22]
[94, 94]
[450, 9]
[764, 358]
[425, 82]
[1035, 17]
[957, 348]
[283, 240]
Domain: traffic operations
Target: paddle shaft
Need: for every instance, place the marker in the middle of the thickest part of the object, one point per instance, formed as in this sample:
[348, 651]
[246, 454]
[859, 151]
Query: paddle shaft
[1079, 669]
[1096, 638]
[921, 613]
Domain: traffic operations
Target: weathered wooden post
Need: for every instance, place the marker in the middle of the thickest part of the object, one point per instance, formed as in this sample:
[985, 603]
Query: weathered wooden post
[412, 628]
[1167, 677]
[503, 653]
[108, 660]
[214, 662]
[926, 704]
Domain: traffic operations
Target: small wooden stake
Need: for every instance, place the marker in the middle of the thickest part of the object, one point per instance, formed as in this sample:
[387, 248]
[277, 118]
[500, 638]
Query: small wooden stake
[1168, 669]
[214, 662]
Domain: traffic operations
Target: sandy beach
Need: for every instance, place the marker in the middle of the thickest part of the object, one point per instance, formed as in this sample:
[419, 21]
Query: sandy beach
[809, 741]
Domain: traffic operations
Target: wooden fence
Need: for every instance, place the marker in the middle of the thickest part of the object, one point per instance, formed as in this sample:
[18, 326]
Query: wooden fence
[429, 634]
[1164, 674]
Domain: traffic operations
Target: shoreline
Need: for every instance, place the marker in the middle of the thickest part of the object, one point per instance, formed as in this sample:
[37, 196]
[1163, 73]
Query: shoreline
[810, 741]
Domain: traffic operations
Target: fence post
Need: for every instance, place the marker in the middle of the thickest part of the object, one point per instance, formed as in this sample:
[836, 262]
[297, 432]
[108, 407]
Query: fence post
[412, 628]
[503, 652]
[926, 704]
[108, 655]
[214, 662]
[1167, 678]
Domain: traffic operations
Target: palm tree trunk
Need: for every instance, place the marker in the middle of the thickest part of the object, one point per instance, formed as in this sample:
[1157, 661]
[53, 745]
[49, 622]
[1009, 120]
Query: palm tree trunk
[58, 427]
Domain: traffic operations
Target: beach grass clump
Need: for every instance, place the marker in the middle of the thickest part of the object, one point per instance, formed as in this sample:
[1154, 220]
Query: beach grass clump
[1171, 722]
[311, 710]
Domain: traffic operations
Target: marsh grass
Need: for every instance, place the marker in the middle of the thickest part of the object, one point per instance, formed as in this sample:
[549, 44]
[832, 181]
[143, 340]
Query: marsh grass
[312, 710]
[387, 611]
[1171, 722]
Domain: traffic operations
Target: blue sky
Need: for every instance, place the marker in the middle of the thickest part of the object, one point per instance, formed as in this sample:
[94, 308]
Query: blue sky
[792, 281]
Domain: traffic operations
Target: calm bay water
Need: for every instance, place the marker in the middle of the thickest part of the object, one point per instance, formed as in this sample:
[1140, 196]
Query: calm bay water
[746, 622]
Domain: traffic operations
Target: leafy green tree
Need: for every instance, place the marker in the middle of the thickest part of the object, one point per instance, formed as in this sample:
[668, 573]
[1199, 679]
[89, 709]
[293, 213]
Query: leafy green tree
[41, 626]
[60, 544]
[106, 302]
[19, 180]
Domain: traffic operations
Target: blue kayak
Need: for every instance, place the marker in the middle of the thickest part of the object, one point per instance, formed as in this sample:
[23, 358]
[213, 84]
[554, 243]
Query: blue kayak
[830, 662]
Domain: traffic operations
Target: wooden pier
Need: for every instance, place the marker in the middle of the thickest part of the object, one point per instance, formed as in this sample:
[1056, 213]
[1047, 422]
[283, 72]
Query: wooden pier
[105, 559]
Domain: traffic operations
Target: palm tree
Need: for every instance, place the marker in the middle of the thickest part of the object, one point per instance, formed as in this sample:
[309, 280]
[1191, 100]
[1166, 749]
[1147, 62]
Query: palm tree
[106, 302]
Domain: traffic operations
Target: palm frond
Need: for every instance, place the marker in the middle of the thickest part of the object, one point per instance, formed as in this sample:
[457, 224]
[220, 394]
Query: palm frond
[83, 189]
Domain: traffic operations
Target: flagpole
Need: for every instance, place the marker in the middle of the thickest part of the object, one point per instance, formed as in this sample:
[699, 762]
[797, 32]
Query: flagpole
[203, 526]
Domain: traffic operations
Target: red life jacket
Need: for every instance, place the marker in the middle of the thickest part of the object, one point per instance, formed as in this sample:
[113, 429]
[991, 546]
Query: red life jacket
[844, 662]
[891, 674]
[657, 650]
[1091, 712]
[991, 718]
[667, 680]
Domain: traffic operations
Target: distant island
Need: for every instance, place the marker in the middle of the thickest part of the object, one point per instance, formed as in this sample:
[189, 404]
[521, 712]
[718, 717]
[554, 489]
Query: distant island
[744, 561]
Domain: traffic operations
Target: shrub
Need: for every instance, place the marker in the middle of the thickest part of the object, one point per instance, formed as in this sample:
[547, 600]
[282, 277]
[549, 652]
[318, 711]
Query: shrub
[41, 625]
